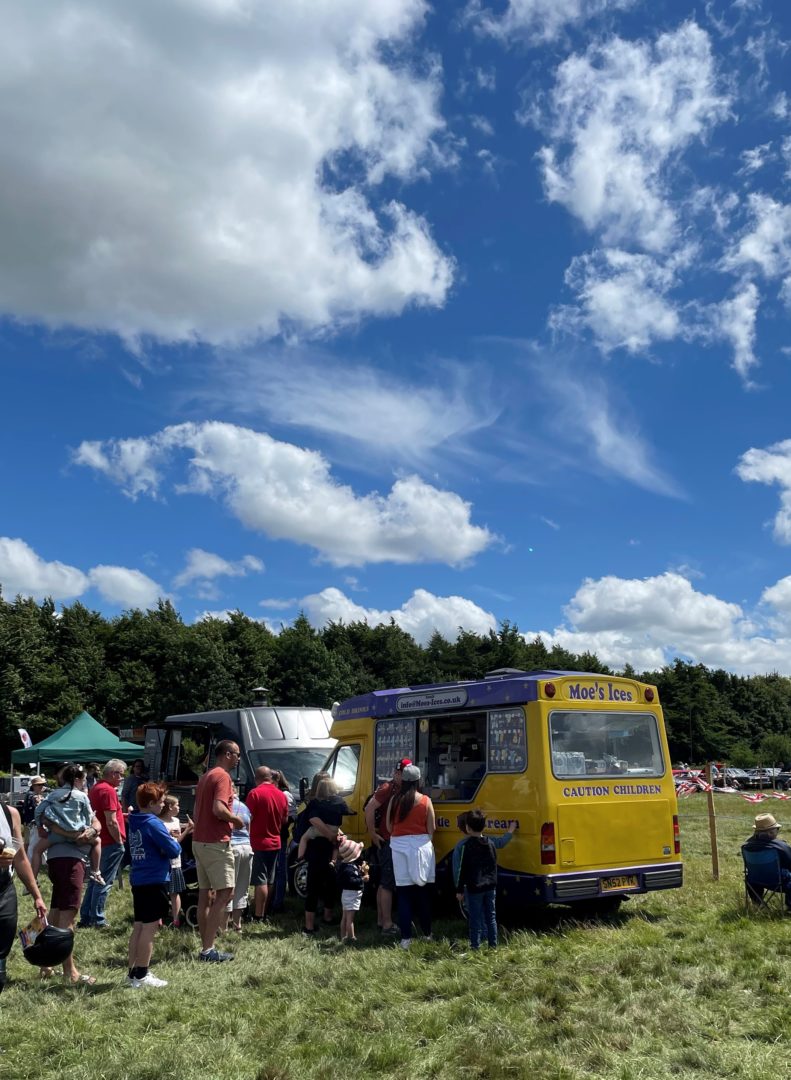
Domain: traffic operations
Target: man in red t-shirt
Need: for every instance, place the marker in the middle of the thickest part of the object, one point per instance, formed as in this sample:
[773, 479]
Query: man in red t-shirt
[268, 808]
[211, 845]
[380, 835]
[107, 809]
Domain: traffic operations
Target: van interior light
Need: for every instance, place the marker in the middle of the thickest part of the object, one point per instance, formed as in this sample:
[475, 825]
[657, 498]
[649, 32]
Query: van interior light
[649, 694]
[549, 689]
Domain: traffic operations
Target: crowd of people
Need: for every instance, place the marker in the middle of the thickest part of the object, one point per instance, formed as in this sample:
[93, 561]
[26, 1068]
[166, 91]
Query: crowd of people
[83, 829]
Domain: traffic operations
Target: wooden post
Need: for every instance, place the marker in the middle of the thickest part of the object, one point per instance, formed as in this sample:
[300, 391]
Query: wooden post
[715, 855]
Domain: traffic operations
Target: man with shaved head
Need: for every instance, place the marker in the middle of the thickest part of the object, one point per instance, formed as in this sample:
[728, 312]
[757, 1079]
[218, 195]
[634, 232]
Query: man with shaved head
[268, 808]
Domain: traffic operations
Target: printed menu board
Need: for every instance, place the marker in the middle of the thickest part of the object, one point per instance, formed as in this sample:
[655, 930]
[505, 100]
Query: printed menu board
[507, 745]
[395, 739]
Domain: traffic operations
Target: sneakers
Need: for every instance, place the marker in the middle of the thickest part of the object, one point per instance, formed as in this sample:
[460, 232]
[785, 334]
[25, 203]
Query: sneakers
[148, 980]
[405, 942]
[390, 931]
[214, 956]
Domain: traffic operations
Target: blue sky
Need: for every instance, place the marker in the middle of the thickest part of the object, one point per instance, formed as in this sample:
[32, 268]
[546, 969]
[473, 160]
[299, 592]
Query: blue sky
[450, 314]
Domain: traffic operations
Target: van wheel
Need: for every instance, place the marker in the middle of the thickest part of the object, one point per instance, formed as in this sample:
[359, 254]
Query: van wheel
[603, 908]
[298, 879]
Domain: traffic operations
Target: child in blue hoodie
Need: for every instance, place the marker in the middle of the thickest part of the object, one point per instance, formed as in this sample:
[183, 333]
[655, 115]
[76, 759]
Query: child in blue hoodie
[151, 848]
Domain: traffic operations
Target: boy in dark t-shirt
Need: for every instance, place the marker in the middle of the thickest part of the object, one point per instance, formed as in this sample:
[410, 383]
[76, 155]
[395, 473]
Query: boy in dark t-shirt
[476, 878]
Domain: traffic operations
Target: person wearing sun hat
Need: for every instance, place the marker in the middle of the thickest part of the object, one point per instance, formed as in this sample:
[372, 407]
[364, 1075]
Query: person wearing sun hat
[36, 791]
[765, 830]
[352, 874]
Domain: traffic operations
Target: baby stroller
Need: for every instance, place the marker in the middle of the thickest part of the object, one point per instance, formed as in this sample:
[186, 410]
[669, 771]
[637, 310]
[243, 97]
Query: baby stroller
[189, 896]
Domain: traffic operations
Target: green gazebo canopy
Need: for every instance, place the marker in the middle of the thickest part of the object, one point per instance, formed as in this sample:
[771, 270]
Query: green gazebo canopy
[82, 739]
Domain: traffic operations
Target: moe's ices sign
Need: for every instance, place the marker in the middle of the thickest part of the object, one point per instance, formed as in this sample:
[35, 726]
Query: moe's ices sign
[599, 691]
[431, 699]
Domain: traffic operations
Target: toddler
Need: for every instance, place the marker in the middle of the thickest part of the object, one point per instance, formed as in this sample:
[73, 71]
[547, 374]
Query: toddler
[312, 833]
[68, 808]
[170, 819]
[352, 874]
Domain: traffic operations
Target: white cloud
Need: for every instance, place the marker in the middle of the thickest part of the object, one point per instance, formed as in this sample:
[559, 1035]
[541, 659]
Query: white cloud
[486, 78]
[539, 21]
[622, 300]
[482, 125]
[583, 416]
[353, 583]
[646, 622]
[781, 106]
[755, 158]
[212, 170]
[288, 493]
[779, 597]
[667, 603]
[420, 616]
[25, 572]
[277, 604]
[621, 114]
[391, 415]
[772, 466]
[766, 243]
[124, 587]
[735, 319]
[203, 566]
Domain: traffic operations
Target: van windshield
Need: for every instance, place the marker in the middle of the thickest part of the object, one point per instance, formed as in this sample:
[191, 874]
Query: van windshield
[604, 744]
[294, 763]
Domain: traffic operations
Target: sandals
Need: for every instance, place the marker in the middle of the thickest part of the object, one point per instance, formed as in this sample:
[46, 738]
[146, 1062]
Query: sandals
[87, 980]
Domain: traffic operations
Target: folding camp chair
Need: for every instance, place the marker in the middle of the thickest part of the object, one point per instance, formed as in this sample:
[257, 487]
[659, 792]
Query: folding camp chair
[763, 881]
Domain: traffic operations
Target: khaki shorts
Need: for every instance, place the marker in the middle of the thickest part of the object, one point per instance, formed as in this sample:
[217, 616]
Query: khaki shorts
[214, 863]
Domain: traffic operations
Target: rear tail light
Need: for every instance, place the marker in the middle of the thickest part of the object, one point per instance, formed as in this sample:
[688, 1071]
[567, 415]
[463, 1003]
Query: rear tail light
[548, 843]
[676, 835]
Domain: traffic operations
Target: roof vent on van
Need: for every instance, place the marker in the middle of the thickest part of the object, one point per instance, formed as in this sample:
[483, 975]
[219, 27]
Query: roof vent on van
[504, 673]
[260, 697]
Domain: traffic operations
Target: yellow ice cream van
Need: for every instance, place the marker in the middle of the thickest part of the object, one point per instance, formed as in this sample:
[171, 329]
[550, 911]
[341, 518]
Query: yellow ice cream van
[579, 761]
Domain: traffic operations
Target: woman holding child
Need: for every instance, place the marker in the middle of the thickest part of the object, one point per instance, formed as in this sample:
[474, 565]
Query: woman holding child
[74, 831]
[411, 822]
[324, 815]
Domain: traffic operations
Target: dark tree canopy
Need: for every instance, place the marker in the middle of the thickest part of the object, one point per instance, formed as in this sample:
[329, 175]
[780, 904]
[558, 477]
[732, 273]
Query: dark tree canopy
[143, 665]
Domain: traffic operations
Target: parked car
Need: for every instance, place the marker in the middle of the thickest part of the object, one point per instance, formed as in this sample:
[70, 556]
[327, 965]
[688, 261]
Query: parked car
[736, 777]
[761, 778]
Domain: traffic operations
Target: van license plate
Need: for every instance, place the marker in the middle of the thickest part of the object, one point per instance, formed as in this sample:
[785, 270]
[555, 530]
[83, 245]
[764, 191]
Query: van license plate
[615, 884]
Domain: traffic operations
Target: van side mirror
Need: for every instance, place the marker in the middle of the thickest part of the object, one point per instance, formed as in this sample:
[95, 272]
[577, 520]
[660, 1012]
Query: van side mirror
[304, 787]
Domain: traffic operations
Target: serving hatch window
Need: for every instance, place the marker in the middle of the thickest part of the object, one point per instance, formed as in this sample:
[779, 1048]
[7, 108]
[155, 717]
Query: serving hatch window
[604, 744]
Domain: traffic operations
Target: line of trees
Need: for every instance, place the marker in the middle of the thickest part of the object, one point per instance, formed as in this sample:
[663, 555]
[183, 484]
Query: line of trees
[141, 666]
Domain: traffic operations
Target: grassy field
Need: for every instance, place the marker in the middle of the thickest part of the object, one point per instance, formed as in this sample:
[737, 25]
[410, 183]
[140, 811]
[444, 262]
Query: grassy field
[679, 984]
